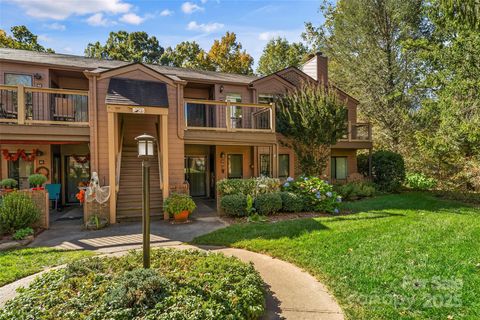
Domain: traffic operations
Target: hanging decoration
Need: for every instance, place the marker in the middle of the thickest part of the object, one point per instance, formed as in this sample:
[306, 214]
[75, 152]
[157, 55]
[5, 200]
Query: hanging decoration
[81, 159]
[19, 154]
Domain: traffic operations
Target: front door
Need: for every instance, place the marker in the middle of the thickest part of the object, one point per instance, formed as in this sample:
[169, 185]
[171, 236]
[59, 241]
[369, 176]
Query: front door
[77, 175]
[196, 175]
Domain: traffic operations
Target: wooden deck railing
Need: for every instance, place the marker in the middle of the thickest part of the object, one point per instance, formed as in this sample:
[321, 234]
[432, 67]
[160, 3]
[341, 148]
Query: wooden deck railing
[229, 116]
[359, 131]
[30, 105]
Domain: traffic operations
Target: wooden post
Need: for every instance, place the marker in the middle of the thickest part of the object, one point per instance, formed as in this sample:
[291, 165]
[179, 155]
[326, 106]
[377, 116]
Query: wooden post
[20, 104]
[272, 116]
[228, 120]
[349, 130]
[275, 160]
[111, 166]
[369, 131]
[370, 163]
[164, 148]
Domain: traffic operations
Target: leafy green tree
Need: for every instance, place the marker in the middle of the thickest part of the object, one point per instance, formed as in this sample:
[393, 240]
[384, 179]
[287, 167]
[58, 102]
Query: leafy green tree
[279, 54]
[464, 11]
[21, 38]
[227, 55]
[187, 55]
[122, 45]
[448, 123]
[311, 119]
[364, 40]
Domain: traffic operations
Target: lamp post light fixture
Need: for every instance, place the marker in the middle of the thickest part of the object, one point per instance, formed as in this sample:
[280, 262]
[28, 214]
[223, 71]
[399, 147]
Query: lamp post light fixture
[146, 148]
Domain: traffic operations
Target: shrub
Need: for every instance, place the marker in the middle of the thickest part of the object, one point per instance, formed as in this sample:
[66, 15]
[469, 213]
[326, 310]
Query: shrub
[291, 202]
[356, 190]
[418, 181]
[8, 183]
[18, 211]
[318, 195]
[22, 233]
[362, 164]
[180, 284]
[251, 186]
[268, 203]
[234, 205]
[388, 170]
[177, 203]
[37, 179]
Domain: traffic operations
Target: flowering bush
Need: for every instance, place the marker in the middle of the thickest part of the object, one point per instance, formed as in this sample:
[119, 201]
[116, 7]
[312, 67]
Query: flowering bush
[318, 195]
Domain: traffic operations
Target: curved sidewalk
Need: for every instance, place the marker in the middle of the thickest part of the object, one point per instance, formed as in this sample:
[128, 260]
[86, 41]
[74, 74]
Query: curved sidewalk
[292, 293]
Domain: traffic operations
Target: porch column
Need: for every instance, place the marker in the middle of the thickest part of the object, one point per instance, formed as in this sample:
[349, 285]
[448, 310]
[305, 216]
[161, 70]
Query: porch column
[111, 166]
[275, 160]
[164, 147]
[370, 163]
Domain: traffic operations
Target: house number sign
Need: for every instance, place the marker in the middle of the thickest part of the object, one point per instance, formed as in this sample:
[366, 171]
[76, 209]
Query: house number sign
[138, 110]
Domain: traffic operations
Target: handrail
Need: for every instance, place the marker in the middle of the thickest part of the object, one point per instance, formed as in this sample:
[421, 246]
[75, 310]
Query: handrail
[350, 132]
[119, 157]
[225, 103]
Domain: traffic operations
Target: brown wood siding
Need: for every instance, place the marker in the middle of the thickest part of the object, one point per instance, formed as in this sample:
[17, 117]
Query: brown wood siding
[18, 68]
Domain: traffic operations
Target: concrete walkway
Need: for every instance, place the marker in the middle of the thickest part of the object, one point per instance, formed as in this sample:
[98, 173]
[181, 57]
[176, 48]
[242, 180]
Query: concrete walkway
[292, 293]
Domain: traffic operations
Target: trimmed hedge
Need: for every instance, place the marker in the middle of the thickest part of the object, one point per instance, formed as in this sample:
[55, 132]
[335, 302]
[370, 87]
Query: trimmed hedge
[356, 190]
[234, 205]
[268, 203]
[251, 186]
[291, 202]
[180, 284]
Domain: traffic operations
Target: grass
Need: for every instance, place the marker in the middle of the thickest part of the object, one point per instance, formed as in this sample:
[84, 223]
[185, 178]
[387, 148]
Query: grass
[16, 264]
[405, 256]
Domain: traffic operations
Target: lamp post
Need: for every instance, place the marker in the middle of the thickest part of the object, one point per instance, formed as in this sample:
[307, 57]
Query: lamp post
[146, 147]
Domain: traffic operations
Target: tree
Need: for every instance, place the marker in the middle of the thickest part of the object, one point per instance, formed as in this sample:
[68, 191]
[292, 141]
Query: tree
[279, 54]
[22, 39]
[187, 55]
[227, 55]
[311, 119]
[364, 40]
[448, 123]
[465, 12]
[135, 46]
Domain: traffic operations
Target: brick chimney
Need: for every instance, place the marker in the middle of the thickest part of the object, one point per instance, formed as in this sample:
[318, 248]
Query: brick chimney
[317, 68]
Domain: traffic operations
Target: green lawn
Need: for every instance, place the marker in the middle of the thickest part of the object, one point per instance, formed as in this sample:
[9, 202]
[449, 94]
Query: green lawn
[406, 256]
[16, 264]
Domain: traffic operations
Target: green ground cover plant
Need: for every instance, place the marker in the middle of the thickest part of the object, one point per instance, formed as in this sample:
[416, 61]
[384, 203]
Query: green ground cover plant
[180, 284]
[400, 256]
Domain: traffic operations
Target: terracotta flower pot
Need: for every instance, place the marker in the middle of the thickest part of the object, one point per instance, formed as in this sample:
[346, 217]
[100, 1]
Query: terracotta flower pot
[182, 216]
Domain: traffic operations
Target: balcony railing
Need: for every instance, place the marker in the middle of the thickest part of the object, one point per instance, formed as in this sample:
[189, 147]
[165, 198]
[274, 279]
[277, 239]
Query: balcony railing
[229, 116]
[30, 105]
[359, 131]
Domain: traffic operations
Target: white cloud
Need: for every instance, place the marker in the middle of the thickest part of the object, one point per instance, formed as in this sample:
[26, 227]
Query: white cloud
[166, 13]
[190, 7]
[265, 36]
[205, 27]
[44, 38]
[62, 9]
[132, 18]
[55, 26]
[97, 20]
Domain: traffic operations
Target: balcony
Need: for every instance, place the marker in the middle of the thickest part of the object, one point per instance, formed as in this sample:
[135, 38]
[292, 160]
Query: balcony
[359, 136]
[31, 106]
[229, 121]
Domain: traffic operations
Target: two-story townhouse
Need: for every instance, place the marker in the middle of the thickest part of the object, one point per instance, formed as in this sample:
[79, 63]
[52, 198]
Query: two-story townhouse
[67, 116]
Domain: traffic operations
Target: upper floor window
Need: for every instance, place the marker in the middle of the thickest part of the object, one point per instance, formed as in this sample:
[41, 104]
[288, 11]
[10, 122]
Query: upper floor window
[265, 98]
[14, 79]
[236, 112]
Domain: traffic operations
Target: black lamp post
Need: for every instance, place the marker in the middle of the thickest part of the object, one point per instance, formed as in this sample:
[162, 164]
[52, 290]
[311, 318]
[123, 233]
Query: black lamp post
[146, 147]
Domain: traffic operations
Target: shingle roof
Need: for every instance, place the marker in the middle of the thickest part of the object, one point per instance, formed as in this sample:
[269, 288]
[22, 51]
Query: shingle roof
[137, 93]
[66, 60]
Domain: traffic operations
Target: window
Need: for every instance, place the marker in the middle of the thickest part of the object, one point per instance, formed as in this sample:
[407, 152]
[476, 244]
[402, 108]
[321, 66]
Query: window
[14, 79]
[283, 165]
[235, 166]
[339, 168]
[236, 113]
[265, 165]
[265, 98]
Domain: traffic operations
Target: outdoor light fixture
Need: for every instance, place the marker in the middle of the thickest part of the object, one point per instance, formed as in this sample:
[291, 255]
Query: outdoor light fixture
[146, 147]
[221, 88]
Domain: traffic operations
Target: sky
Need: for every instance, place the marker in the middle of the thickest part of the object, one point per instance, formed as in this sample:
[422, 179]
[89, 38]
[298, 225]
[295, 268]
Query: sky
[68, 26]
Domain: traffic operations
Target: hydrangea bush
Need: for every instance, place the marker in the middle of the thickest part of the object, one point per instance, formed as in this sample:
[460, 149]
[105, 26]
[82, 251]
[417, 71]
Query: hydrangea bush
[251, 186]
[318, 195]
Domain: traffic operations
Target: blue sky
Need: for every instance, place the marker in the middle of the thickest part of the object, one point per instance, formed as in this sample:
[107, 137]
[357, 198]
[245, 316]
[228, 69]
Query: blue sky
[68, 26]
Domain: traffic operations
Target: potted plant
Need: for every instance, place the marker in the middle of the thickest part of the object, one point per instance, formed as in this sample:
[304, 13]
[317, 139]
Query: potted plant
[179, 206]
[8, 184]
[37, 180]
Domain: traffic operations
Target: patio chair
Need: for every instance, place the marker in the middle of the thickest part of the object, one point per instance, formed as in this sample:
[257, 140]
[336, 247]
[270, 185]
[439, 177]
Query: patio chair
[54, 190]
